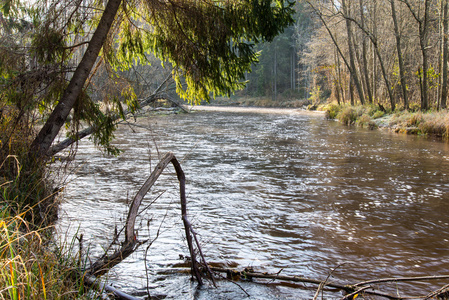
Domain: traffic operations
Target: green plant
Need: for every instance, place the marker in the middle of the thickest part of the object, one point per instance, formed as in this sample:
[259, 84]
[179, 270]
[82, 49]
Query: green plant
[378, 114]
[332, 110]
[365, 121]
[347, 116]
[315, 95]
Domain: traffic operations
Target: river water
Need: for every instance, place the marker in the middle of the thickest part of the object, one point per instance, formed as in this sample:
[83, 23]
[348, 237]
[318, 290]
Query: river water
[280, 191]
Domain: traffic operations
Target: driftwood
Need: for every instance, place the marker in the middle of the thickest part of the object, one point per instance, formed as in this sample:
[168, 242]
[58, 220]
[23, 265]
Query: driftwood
[130, 244]
[350, 289]
[94, 283]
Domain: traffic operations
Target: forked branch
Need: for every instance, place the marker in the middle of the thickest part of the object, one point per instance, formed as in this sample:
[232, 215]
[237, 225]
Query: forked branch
[130, 244]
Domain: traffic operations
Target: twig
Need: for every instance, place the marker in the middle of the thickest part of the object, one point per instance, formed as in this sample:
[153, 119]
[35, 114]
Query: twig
[232, 281]
[402, 279]
[438, 292]
[350, 296]
[323, 284]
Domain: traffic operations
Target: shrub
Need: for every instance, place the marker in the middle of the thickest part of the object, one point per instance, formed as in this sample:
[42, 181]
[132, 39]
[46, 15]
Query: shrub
[365, 121]
[347, 116]
[332, 110]
[378, 114]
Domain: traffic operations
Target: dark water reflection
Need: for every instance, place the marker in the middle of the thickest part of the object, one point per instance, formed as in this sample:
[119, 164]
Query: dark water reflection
[271, 191]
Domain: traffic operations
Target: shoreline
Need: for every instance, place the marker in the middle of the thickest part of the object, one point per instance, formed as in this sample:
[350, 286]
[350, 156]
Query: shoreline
[260, 110]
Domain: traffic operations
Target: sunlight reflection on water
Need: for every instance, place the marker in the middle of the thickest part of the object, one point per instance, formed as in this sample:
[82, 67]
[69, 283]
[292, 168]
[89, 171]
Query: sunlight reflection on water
[270, 191]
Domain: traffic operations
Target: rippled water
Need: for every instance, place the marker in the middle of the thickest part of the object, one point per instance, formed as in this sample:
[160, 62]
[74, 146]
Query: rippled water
[272, 191]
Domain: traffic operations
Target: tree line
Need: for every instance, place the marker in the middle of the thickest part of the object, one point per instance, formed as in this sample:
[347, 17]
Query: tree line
[392, 51]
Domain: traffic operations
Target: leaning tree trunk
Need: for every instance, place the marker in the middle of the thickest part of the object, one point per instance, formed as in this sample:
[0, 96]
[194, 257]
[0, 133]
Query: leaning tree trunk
[50, 130]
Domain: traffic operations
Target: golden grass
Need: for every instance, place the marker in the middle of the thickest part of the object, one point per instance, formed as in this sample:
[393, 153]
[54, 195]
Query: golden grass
[29, 269]
[424, 123]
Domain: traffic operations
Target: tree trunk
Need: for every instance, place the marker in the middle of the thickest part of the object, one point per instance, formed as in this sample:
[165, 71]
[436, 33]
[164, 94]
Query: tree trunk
[275, 74]
[50, 130]
[364, 60]
[423, 44]
[400, 58]
[445, 56]
[422, 30]
[374, 57]
[353, 69]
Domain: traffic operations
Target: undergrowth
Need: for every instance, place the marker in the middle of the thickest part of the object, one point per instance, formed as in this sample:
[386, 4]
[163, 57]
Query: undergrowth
[430, 123]
[32, 266]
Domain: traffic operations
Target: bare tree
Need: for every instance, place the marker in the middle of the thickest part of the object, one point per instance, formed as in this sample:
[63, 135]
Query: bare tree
[399, 51]
[422, 18]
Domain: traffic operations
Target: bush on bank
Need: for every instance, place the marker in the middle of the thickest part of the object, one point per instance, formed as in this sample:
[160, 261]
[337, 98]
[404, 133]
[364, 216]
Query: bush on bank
[429, 123]
[362, 116]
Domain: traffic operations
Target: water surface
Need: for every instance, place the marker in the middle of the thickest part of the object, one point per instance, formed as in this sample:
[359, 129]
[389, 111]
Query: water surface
[273, 191]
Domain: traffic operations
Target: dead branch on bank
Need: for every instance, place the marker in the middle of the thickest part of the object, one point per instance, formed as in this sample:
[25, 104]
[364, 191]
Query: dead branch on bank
[351, 289]
[130, 244]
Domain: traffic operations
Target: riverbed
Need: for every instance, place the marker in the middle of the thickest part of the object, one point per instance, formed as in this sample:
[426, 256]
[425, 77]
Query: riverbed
[276, 190]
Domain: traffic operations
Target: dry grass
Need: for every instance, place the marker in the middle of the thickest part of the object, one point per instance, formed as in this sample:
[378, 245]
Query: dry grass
[424, 123]
[29, 269]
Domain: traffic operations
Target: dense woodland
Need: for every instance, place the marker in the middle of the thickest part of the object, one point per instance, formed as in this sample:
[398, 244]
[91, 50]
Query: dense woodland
[393, 52]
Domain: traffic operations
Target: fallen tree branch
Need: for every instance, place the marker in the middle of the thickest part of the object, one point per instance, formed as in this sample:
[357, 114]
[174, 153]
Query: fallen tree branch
[130, 244]
[351, 296]
[282, 277]
[442, 293]
[402, 279]
[93, 282]
[345, 287]
[323, 284]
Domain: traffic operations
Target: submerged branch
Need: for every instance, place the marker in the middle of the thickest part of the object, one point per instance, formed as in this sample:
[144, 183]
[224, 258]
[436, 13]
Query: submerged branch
[130, 244]
[350, 289]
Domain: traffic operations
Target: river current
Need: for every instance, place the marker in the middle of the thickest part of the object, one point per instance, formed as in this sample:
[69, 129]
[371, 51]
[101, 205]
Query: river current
[279, 192]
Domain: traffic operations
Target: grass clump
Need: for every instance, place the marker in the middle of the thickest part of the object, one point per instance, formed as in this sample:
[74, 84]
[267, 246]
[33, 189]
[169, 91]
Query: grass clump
[29, 269]
[347, 116]
[366, 121]
[332, 110]
[436, 124]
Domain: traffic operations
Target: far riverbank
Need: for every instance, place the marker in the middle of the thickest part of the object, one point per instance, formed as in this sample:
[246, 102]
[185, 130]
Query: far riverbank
[262, 110]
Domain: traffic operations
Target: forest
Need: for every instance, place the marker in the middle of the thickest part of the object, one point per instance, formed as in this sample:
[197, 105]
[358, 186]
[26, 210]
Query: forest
[390, 52]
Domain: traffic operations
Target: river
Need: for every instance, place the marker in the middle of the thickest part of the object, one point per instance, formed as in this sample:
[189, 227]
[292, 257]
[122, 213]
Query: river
[276, 191]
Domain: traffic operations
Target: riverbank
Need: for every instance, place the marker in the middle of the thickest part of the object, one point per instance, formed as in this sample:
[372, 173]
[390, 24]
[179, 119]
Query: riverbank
[430, 123]
[249, 109]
